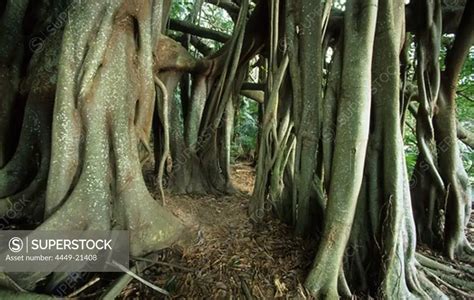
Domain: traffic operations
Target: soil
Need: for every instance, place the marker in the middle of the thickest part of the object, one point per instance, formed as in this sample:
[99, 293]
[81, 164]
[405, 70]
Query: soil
[226, 257]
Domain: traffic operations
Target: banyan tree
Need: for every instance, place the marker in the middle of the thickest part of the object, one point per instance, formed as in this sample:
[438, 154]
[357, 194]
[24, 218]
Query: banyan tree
[88, 97]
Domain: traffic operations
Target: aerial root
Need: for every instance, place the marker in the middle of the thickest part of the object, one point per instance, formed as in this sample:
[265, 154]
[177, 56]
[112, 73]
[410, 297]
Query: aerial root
[433, 264]
[445, 274]
[415, 284]
[445, 266]
[429, 289]
[449, 281]
[342, 285]
[468, 250]
[166, 130]
[452, 279]
[323, 284]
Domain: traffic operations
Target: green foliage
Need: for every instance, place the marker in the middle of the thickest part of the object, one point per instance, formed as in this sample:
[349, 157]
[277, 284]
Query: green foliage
[216, 18]
[180, 9]
[246, 130]
[465, 93]
[411, 148]
[465, 109]
[210, 16]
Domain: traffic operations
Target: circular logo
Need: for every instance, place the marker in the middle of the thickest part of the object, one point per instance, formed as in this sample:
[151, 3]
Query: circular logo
[36, 44]
[15, 244]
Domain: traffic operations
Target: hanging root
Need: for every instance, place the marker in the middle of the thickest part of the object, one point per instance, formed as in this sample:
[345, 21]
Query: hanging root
[166, 134]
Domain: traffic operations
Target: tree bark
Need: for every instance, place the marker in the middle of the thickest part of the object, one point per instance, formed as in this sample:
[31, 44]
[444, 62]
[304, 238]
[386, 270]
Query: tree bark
[352, 134]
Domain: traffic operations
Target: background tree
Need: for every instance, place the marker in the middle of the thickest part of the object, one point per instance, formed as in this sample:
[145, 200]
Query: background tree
[360, 205]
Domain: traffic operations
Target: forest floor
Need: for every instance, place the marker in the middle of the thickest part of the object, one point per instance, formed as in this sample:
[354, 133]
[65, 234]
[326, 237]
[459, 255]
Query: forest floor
[228, 257]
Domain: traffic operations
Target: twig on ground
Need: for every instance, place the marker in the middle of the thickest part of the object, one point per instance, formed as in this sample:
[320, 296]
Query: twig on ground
[84, 287]
[145, 282]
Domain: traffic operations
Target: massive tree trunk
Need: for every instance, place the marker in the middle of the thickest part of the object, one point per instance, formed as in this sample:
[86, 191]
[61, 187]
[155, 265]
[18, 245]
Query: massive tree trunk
[330, 156]
[308, 125]
[105, 95]
[426, 177]
[457, 199]
[440, 185]
[103, 111]
[355, 169]
[352, 133]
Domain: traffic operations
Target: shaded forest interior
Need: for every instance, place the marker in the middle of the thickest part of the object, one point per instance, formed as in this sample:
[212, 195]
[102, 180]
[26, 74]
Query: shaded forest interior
[251, 148]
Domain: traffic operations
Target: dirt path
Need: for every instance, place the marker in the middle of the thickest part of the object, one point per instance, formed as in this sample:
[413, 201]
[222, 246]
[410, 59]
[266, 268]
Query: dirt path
[227, 257]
